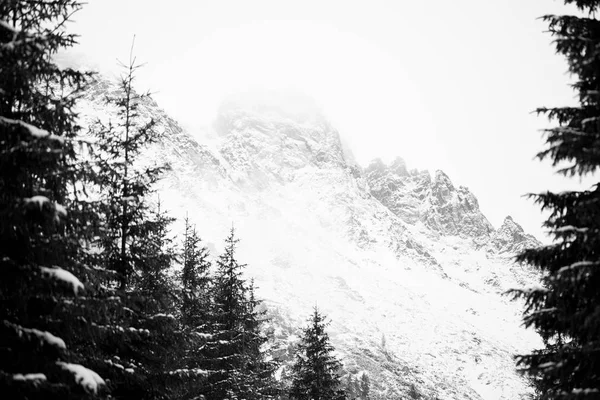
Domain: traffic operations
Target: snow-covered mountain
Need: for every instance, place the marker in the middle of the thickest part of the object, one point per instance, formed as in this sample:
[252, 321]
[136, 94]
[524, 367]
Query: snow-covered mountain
[404, 263]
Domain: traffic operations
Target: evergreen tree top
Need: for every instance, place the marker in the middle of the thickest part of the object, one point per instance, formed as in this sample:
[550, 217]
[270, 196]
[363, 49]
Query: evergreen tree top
[316, 371]
[564, 308]
[585, 5]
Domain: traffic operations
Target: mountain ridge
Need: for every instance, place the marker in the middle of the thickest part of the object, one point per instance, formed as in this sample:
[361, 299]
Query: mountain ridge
[385, 251]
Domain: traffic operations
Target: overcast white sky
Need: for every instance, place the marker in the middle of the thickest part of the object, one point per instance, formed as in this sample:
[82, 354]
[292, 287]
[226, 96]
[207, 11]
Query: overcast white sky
[445, 84]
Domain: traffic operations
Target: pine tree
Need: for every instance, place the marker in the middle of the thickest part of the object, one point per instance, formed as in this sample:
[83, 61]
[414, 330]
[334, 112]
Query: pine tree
[195, 314]
[259, 364]
[316, 371]
[42, 222]
[138, 341]
[195, 279]
[565, 308]
[125, 185]
[152, 279]
[237, 363]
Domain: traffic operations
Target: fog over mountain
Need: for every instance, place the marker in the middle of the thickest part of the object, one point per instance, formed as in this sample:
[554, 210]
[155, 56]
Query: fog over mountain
[403, 261]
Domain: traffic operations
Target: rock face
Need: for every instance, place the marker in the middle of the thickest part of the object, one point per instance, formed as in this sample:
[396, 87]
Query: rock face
[415, 196]
[268, 144]
[404, 263]
[511, 239]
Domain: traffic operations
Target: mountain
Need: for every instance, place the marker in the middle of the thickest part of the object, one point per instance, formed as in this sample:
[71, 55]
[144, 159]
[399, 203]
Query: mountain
[403, 262]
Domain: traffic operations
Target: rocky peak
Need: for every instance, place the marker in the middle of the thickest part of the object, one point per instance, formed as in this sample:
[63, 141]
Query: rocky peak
[453, 211]
[269, 110]
[397, 188]
[511, 238]
[442, 187]
[441, 206]
[415, 196]
[398, 167]
[268, 138]
[377, 169]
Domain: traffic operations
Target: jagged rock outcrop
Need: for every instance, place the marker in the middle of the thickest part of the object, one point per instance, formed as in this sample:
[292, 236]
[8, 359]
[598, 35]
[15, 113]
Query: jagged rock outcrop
[398, 189]
[511, 239]
[442, 207]
[270, 141]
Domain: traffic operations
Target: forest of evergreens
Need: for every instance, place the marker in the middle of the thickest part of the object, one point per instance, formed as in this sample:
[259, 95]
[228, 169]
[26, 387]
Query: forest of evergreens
[99, 299]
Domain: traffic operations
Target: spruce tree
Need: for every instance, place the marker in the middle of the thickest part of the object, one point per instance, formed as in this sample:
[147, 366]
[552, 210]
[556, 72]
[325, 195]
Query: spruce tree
[195, 314]
[565, 309]
[195, 279]
[139, 338]
[260, 365]
[126, 184]
[42, 222]
[316, 371]
[237, 363]
[152, 279]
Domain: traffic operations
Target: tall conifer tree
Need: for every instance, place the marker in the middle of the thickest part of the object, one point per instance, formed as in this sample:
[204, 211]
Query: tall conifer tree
[195, 279]
[195, 314]
[565, 310]
[237, 362]
[139, 339]
[126, 184]
[42, 223]
[316, 371]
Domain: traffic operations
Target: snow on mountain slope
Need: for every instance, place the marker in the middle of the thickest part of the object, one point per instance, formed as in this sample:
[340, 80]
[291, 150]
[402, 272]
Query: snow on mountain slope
[405, 264]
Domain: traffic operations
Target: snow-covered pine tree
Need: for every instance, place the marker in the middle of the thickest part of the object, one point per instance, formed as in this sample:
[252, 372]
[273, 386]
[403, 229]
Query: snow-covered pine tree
[125, 186]
[259, 363]
[565, 309]
[152, 279]
[316, 370]
[237, 363]
[224, 349]
[42, 223]
[139, 340]
[195, 279]
[194, 314]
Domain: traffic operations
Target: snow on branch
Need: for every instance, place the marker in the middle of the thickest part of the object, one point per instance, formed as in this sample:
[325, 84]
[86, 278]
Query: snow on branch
[578, 264]
[549, 365]
[586, 121]
[39, 202]
[564, 129]
[140, 331]
[29, 377]
[189, 372]
[33, 131]
[570, 228]
[161, 315]
[64, 276]
[42, 336]
[119, 366]
[584, 392]
[532, 289]
[544, 311]
[87, 378]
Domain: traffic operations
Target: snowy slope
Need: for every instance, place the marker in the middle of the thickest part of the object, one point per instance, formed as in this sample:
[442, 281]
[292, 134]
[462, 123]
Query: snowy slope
[405, 264]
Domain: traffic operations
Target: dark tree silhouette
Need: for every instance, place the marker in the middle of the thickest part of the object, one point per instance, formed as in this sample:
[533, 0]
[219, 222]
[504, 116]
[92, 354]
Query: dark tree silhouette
[565, 309]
